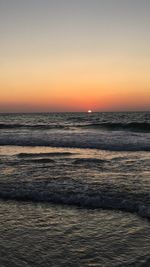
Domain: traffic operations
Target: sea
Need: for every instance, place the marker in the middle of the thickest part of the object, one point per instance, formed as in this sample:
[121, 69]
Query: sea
[75, 189]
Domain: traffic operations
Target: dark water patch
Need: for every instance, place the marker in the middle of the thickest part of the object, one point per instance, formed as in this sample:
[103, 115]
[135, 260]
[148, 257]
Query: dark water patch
[89, 161]
[132, 126]
[31, 126]
[50, 154]
[43, 160]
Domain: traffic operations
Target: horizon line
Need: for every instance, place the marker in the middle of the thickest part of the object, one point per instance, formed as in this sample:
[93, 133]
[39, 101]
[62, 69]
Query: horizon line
[46, 112]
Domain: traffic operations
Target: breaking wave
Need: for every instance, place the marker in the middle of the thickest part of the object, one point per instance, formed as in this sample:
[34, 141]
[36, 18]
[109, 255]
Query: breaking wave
[116, 142]
[77, 194]
[132, 126]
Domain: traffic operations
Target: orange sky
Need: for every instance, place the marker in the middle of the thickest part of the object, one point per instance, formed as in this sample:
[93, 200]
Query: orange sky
[97, 59]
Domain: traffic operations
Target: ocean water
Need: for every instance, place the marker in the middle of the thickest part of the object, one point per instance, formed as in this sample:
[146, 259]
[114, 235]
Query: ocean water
[75, 189]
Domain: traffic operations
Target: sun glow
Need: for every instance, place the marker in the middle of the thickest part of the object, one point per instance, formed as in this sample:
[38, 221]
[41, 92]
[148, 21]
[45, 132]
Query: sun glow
[89, 111]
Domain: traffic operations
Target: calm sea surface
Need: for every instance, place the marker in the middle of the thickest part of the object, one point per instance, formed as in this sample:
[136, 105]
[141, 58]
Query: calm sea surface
[75, 189]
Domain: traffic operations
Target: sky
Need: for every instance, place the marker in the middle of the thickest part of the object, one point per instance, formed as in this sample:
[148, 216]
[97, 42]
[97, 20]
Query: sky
[74, 55]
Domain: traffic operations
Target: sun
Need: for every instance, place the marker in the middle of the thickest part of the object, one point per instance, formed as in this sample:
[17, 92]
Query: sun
[89, 111]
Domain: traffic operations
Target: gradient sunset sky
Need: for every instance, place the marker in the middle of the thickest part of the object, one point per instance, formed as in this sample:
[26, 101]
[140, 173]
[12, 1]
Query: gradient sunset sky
[74, 55]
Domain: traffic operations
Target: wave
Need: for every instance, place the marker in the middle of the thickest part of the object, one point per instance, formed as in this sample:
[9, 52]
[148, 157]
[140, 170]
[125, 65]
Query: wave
[78, 194]
[118, 143]
[132, 126]
[105, 140]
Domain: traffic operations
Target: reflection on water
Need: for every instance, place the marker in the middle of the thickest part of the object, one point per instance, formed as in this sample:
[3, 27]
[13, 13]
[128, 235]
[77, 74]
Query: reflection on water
[47, 235]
